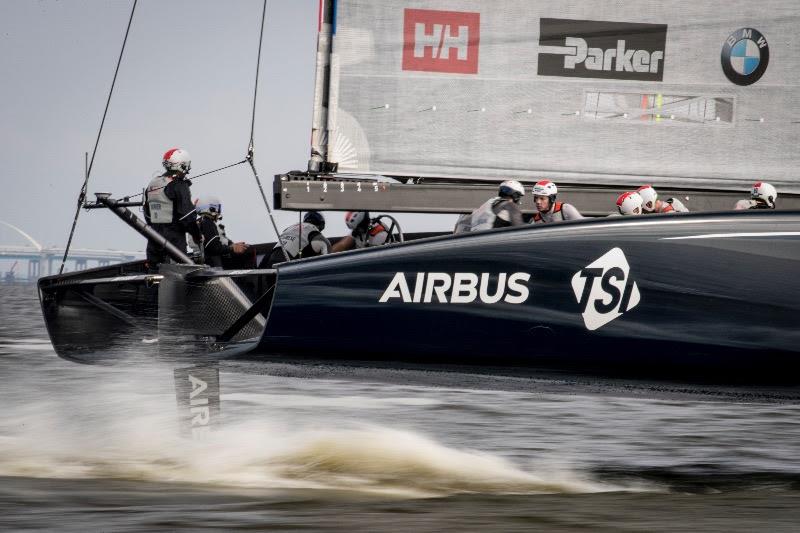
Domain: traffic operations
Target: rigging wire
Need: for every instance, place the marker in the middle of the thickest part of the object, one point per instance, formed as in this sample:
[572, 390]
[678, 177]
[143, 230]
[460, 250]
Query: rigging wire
[82, 195]
[251, 148]
[192, 178]
[300, 237]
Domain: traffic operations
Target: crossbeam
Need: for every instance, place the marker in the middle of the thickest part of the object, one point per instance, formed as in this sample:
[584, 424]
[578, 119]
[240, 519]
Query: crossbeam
[331, 193]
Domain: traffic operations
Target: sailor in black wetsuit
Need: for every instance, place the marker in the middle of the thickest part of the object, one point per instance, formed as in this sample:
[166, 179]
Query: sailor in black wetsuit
[499, 212]
[216, 244]
[300, 240]
[168, 207]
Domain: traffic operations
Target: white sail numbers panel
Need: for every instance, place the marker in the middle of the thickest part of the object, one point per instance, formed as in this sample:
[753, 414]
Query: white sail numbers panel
[664, 109]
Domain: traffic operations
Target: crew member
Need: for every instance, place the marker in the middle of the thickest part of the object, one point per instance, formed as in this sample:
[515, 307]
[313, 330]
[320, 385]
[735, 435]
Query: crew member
[630, 203]
[216, 244]
[502, 210]
[301, 240]
[651, 203]
[763, 196]
[365, 232]
[463, 223]
[168, 207]
[549, 210]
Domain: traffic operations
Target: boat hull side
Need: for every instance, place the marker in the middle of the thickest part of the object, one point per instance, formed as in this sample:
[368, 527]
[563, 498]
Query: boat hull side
[711, 296]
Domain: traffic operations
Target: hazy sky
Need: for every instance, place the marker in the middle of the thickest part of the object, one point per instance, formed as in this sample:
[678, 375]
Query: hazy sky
[186, 80]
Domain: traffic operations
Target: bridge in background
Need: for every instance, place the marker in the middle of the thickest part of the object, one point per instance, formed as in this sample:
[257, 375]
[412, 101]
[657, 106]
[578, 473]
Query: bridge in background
[44, 261]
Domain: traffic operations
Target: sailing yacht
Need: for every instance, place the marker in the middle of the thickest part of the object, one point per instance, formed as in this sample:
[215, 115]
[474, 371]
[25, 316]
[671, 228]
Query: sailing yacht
[426, 107]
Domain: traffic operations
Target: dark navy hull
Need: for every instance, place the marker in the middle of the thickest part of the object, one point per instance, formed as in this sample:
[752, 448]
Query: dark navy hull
[709, 297]
[704, 296]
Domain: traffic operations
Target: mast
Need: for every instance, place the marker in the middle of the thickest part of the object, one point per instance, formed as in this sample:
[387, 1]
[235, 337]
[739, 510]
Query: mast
[319, 123]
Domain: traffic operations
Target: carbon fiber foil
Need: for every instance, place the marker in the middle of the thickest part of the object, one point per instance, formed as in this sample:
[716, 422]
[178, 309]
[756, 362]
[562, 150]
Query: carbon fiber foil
[189, 310]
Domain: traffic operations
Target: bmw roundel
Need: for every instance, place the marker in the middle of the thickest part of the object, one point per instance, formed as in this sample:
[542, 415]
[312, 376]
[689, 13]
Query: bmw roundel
[745, 56]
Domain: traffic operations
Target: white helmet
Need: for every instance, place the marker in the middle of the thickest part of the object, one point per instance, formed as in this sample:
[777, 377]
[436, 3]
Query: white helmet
[177, 160]
[545, 188]
[512, 189]
[649, 197]
[353, 219]
[629, 203]
[209, 205]
[765, 193]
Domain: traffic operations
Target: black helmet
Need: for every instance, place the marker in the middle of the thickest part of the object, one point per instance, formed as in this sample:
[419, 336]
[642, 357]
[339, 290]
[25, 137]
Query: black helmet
[316, 218]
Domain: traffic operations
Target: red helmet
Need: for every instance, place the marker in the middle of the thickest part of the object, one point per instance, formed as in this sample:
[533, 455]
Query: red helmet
[765, 193]
[177, 160]
[545, 188]
[629, 203]
[649, 197]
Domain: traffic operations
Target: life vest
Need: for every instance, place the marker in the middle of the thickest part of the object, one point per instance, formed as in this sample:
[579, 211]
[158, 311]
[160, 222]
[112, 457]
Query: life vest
[296, 238]
[375, 235]
[665, 207]
[463, 224]
[677, 206]
[746, 204]
[484, 217]
[556, 214]
[159, 204]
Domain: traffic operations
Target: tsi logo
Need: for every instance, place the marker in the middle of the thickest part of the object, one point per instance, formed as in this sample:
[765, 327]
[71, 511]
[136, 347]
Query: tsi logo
[604, 289]
[441, 41]
[458, 288]
[600, 49]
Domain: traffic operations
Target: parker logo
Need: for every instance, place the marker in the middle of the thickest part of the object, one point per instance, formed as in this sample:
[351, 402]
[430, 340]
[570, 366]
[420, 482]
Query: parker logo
[441, 41]
[604, 289]
[458, 288]
[601, 49]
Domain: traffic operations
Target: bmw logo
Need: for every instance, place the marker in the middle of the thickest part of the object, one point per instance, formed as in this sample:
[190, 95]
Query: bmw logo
[745, 56]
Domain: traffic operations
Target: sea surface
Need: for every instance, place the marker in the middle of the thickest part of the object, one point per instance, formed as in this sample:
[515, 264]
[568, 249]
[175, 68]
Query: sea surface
[327, 448]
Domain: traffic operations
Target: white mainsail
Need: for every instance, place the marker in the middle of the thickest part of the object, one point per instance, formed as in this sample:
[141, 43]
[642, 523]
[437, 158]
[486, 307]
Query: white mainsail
[685, 93]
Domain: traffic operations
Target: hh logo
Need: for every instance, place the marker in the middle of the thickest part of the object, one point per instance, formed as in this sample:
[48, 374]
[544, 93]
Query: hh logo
[604, 289]
[441, 41]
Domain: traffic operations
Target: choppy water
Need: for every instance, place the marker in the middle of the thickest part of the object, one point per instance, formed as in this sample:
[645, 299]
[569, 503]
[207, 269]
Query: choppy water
[325, 448]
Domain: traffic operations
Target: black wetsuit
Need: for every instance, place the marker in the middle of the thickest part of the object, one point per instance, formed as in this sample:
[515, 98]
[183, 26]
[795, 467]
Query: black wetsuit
[184, 220]
[215, 245]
